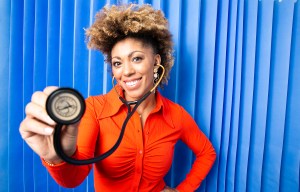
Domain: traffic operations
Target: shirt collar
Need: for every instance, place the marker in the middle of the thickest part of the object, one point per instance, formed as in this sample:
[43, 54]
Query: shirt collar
[115, 104]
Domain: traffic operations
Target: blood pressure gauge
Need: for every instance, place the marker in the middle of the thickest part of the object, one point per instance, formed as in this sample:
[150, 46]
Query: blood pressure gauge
[65, 106]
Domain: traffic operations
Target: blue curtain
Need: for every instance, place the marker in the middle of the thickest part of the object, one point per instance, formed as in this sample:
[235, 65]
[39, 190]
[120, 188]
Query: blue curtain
[237, 72]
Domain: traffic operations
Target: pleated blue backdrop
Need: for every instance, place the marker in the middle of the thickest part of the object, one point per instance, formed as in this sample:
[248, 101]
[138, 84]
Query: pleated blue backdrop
[237, 72]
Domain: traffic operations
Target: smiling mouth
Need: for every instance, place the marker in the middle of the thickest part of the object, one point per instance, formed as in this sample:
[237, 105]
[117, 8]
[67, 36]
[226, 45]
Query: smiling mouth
[132, 83]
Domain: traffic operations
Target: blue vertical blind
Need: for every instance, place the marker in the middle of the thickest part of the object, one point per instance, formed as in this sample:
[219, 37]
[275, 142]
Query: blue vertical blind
[236, 72]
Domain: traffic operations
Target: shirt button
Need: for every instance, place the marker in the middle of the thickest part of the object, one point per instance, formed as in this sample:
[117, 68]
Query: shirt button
[141, 152]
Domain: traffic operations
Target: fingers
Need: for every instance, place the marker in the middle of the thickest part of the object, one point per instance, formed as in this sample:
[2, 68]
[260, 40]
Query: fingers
[50, 89]
[37, 107]
[37, 127]
[38, 112]
[40, 97]
[30, 126]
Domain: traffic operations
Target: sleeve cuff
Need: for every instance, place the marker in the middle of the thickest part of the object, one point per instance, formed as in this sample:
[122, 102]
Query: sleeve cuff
[48, 165]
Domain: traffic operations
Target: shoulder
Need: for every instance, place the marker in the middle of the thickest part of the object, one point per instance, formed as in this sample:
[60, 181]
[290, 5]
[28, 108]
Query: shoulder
[176, 112]
[173, 111]
[104, 105]
[96, 100]
[171, 106]
[96, 104]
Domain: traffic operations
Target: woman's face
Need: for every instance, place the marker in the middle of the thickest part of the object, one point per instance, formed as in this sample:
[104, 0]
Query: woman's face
[132, 66]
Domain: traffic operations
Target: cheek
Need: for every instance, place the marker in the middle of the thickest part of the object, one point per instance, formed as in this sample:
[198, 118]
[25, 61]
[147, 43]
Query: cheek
[150, 75]
[116, 73]
[145, 70]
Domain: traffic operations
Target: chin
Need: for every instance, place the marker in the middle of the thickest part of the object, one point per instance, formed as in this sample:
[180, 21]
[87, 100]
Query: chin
[134, 95]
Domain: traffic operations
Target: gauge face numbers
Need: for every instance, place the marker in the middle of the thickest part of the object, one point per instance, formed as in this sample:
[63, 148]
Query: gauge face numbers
[65, 106]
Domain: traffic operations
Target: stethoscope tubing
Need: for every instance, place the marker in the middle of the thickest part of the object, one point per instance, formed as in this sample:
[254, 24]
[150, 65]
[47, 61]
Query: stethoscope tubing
[63, 156]
[57, 133]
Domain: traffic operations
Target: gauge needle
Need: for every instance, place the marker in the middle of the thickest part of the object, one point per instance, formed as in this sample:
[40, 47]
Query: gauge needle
[65, 107]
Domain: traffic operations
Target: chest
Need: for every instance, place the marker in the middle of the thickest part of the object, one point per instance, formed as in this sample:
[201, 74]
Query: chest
[147, 149]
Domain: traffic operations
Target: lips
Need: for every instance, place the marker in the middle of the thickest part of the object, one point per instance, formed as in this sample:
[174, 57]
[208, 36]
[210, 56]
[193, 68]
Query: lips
[132, 83]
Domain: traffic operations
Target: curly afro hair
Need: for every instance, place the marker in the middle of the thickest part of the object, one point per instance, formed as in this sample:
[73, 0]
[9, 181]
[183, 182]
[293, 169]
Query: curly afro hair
[115, 23]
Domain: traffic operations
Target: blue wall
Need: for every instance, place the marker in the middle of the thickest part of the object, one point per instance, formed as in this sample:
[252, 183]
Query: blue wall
[236, 72]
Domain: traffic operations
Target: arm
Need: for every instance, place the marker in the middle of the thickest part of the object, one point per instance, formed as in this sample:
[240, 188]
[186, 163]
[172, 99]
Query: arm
[68, 175]
[202, 148]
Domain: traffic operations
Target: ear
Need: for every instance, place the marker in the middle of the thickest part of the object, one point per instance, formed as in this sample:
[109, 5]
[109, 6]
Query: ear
[157, 60]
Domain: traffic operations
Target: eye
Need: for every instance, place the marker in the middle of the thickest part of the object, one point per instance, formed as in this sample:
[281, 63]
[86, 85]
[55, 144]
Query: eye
[116, 64]
[137, 59]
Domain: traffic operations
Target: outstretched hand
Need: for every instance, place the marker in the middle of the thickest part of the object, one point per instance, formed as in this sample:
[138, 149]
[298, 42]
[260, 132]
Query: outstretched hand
[37, 129]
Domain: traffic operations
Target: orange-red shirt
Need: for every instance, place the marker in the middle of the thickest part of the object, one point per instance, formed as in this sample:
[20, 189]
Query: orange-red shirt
[144, 155]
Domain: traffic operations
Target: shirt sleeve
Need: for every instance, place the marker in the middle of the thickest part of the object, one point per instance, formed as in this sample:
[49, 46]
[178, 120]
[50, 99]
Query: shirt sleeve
[196, 140]
[68, 175]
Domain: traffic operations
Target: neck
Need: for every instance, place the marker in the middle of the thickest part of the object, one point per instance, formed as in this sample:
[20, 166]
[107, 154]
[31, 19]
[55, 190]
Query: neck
[147, 105]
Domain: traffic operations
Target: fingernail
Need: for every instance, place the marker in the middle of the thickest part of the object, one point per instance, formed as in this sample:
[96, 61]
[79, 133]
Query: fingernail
[48, 130]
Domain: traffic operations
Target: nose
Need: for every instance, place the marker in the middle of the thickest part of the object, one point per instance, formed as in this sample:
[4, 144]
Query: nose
[128, 69]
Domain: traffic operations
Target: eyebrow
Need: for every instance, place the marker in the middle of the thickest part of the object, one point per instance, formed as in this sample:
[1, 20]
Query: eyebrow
[129, 55]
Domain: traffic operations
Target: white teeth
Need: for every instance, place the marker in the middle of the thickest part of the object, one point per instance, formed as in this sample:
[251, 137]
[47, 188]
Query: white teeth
[131, 83]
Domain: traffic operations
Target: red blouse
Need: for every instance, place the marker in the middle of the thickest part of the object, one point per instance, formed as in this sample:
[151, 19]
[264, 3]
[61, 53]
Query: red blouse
[144, 155]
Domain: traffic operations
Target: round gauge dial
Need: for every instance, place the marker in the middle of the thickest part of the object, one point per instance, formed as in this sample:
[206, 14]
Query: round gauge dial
[65, 106]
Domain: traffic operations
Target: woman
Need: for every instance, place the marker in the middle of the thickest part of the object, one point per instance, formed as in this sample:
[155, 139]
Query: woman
[137, 44]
